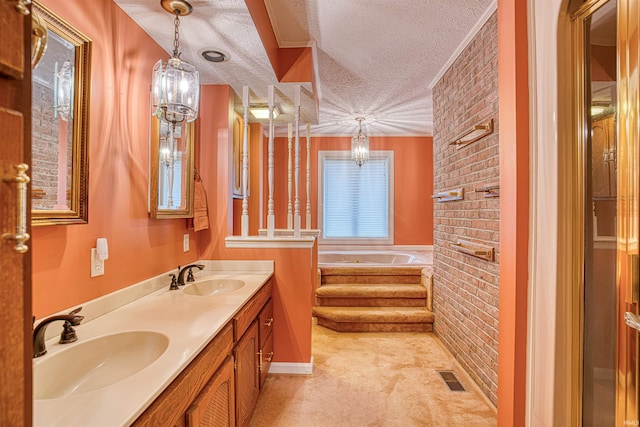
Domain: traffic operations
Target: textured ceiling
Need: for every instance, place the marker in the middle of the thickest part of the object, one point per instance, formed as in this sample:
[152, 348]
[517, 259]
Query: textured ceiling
[375, 58]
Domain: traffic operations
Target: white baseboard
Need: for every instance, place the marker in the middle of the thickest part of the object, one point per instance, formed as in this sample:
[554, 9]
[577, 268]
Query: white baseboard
[292, 368]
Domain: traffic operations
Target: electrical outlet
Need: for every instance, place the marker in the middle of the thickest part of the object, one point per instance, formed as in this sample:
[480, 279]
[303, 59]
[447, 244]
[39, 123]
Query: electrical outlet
[185, 243]
[97, 265]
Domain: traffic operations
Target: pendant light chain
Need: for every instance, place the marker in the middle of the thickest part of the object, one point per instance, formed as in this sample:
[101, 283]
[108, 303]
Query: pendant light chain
[176, 35]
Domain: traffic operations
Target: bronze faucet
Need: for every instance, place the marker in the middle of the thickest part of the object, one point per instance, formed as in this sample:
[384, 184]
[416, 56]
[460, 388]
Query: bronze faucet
[187, 268]
[68, 334]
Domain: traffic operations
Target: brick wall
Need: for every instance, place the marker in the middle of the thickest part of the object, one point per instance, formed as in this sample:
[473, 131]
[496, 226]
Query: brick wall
[465, 287]
[44, 171]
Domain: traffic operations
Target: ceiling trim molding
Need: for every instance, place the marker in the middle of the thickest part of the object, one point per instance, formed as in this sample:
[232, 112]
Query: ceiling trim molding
[476, 28]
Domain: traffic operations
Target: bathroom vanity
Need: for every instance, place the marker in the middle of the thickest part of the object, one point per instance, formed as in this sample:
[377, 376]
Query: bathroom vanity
[221, 386]
[196, 356]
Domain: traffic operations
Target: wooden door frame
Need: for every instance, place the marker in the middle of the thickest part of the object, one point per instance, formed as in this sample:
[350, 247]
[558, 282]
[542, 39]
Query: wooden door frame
[15, 269]
[555, 273]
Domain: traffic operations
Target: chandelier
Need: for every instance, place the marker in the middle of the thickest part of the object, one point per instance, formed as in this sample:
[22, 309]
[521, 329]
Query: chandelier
[360, 145]
[176, 83]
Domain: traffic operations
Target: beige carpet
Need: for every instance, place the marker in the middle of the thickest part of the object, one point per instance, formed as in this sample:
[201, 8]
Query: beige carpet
[373, 379]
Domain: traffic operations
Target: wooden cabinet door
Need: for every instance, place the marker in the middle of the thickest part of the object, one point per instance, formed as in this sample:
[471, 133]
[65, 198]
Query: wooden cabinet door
[247, 378]
[215, 406]
[15, 265]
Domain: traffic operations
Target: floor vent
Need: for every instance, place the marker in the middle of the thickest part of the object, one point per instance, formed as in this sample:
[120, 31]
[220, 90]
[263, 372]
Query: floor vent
[451, 380]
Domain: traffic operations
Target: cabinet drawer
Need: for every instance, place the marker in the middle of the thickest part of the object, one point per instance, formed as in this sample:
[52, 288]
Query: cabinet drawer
[266, 356]
[266, 322]
[249, 312]
[169, 408]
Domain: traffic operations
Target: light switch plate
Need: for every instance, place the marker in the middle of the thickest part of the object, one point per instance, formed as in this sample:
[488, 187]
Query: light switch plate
[97, 265]
[185, 243]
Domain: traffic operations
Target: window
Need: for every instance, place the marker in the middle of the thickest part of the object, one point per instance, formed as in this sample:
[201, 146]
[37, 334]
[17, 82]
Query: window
[355, 203]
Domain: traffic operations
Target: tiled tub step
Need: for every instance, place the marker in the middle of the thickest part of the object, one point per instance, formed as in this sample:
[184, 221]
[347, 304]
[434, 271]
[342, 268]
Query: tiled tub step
[372, 295]
[375, 319]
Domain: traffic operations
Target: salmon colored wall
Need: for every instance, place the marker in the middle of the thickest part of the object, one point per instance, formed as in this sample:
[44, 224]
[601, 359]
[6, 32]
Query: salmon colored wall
[237, 216]
[213, 158]
[139, 247]
[293, 295]
[295, 269]
[413, 169]
[514, 210]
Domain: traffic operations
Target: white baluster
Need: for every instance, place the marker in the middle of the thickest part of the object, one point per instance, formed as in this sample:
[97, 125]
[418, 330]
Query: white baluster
[296, 204]
[245, 164]
[308, 219]
[271, 219]
[290, 182]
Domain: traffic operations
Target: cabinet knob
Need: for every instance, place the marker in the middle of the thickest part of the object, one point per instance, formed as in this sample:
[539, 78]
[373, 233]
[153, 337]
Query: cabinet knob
[268, 322]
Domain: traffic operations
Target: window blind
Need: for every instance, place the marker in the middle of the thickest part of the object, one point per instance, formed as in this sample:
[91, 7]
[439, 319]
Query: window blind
[356, 199]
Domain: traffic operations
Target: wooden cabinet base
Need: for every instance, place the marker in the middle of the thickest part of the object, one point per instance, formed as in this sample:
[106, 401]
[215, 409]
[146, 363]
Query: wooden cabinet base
[221, 386]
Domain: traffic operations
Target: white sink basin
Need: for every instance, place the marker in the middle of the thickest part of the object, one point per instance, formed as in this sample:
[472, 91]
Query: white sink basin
[96, 363]
[213, 287]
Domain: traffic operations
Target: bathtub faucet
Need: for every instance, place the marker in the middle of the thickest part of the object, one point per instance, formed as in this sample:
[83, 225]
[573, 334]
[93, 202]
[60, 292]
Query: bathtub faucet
[183, 270]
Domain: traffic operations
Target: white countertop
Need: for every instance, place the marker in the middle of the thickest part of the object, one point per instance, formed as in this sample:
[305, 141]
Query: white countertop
[189, 322]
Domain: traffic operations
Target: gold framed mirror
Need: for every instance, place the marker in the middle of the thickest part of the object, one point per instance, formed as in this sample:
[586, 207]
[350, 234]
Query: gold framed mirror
[171, 172]
[61, 61]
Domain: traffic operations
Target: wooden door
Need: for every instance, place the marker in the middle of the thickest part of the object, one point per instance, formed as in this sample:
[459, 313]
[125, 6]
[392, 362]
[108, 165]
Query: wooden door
[628, 232]
[247, 378]
[15, 265]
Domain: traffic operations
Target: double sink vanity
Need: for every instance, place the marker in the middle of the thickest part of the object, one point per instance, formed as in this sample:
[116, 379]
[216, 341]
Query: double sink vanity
[148, 355]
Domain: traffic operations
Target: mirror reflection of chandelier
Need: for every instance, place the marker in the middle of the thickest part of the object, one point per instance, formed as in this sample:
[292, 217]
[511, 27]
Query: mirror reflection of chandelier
[360, 145]
[63, 91]
[176, 83]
